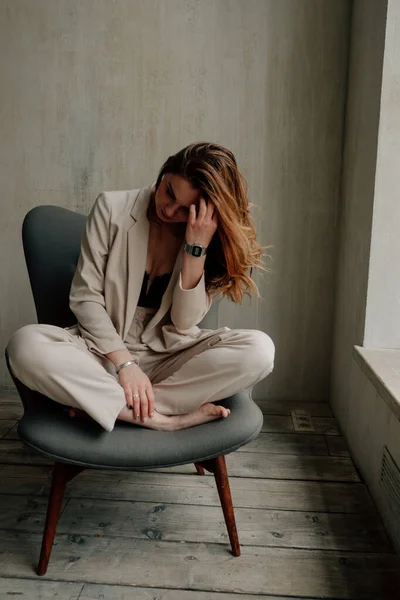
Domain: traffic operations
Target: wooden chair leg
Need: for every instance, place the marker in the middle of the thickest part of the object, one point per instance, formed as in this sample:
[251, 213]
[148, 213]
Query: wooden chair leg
[199, 469]
[217, 466]
[62, 473]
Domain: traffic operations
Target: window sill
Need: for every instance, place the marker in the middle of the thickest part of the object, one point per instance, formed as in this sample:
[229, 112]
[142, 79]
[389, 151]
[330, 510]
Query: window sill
[382, 367]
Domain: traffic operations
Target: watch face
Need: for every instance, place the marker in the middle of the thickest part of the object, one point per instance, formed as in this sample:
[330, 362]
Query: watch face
[196, 250]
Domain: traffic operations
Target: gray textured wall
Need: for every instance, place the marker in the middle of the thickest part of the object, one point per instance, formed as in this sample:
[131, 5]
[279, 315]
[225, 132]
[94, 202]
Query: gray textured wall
[359, 170]
[96, 94]
[368, 283]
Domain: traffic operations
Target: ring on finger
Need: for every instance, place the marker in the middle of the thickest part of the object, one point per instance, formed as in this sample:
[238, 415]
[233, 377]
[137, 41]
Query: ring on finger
[137, 416]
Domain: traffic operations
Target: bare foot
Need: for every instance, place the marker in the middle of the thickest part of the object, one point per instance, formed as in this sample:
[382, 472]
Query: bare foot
[205, 413]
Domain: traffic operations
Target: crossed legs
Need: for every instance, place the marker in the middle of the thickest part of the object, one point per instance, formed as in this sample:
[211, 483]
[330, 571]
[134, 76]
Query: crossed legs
[51, 360]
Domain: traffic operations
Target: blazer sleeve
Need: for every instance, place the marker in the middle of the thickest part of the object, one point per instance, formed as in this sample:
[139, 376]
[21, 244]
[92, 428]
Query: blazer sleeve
[87, 290]
[189, 307]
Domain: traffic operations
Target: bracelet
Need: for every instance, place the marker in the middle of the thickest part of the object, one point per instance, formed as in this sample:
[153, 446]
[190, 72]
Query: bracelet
[126, 364]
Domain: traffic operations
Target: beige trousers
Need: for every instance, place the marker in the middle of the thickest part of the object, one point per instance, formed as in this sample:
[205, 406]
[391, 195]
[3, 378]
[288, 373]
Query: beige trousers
[57, 363]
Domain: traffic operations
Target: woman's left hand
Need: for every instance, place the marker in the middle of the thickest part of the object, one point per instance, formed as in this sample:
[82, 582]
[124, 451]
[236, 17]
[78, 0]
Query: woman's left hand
[200, 228]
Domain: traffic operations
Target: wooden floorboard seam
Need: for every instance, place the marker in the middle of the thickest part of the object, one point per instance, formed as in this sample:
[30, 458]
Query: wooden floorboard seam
[350, 560]
[130, 500]
[221, 595]
[348, 551]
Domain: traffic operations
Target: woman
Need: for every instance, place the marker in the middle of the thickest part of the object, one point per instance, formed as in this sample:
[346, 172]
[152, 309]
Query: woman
[151, 262]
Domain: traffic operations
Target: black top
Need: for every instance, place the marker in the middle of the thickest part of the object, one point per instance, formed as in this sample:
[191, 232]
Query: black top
[156, 291]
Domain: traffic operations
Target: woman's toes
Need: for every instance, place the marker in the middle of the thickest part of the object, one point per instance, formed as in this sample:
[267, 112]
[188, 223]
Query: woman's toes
[224, 412]
[214, 410]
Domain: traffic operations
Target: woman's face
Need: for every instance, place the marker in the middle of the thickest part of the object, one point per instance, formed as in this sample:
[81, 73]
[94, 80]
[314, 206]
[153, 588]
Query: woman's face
[173, 199]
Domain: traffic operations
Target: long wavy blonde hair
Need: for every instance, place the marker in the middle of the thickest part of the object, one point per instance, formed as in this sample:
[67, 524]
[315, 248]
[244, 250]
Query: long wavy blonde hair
[234, 250]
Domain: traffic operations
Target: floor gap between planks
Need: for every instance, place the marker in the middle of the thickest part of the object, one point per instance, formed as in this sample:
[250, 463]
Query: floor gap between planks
[307, 524]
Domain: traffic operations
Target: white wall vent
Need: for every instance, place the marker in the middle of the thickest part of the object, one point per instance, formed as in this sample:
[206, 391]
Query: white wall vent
[390, 481]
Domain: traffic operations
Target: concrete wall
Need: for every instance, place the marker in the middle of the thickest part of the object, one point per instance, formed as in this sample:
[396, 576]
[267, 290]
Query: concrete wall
[358, 186]
[368, 282]
[96, 94]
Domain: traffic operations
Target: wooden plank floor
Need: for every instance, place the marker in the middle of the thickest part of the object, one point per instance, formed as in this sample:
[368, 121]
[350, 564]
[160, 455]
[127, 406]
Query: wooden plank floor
[307, 525]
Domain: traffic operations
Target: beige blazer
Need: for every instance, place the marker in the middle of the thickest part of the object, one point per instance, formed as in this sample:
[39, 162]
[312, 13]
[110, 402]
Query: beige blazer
[108, 279]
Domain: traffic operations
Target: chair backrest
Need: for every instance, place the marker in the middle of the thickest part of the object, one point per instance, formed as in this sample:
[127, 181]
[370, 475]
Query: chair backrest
[51, 238]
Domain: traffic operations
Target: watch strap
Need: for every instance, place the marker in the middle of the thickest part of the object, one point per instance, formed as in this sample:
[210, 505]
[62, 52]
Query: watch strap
[195, 249]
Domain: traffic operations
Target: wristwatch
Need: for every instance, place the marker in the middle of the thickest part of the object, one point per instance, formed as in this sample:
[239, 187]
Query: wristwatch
[195, 249]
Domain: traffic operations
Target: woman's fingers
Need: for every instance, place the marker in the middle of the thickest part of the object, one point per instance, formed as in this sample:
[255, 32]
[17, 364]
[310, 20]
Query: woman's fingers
[139, 397]
[136, 404]
[207, 208]
[147, 402]
[150, 397]
[144, 404]
[192, 215]
[210, 208]
[202, 208]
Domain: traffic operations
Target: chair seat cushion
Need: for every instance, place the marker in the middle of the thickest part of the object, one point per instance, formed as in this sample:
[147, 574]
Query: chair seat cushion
[49, 431]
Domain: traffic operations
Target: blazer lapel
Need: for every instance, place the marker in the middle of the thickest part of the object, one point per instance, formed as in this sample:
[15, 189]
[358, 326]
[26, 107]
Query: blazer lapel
[138, 237]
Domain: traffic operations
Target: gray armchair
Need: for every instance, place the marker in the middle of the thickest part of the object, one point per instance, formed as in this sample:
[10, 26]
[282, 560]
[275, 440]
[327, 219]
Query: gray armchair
[51, 239]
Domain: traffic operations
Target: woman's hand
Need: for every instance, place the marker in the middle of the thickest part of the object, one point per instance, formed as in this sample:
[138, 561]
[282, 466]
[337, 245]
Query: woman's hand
[200, 228]
[138, 391]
